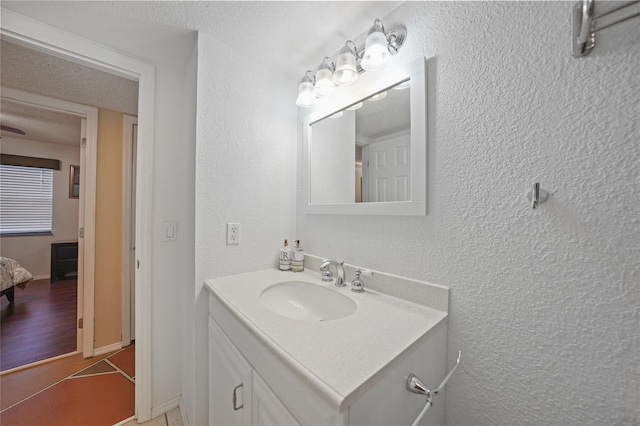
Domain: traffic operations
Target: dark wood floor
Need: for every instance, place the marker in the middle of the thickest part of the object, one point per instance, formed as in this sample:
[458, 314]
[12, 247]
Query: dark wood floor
[39, 324]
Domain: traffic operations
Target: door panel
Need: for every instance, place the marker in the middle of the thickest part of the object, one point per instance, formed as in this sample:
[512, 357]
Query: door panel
[387, 170]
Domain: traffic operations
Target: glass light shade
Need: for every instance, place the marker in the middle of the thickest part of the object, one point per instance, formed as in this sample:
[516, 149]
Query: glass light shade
[305, 94]
[346, 72]
[376, 53]
[324, 84]
[355, 107]
[337, 114]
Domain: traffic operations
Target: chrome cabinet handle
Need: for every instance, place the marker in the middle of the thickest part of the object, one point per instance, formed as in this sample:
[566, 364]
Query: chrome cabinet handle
[235, 398]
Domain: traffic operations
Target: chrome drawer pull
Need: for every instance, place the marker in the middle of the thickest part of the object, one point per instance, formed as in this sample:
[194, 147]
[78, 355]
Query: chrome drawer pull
[235, 399]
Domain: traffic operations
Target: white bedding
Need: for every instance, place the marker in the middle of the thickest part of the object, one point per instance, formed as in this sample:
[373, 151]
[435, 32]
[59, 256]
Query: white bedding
[11, 273]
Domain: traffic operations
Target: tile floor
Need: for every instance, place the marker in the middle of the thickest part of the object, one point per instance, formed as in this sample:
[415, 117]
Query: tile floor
[101, 394]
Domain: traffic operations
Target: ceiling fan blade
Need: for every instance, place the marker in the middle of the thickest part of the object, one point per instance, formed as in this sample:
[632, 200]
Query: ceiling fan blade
[12, 129]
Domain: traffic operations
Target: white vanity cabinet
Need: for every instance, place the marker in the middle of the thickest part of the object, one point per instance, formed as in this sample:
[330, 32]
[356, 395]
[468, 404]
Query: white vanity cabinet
[230, 381]
[237, 394]
[265, 369]
[268, 410]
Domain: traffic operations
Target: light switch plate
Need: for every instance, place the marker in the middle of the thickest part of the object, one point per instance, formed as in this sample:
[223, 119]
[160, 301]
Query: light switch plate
[169, 231]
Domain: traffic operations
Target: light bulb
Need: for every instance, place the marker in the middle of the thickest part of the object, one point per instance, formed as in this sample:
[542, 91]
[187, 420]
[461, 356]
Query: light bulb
[324, 84]
[376, 53]
[346, 72]
[306, 97]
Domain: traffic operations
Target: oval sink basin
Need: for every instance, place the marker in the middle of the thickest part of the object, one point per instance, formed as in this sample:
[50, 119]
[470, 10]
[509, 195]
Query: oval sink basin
[305, 301]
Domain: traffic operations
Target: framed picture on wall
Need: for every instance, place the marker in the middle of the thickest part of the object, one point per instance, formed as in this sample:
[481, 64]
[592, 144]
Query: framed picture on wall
[74, 182]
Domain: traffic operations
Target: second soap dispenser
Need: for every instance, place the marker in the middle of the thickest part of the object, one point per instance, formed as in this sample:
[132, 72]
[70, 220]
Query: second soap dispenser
[297, 258]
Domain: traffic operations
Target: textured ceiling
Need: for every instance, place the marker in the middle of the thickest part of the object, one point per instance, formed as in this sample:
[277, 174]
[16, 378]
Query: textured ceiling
[40, 124]
[35, 72]
[47, 75]
[290, 36]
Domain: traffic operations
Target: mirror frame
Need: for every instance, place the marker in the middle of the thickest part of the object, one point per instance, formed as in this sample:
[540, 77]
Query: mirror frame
[369, 84]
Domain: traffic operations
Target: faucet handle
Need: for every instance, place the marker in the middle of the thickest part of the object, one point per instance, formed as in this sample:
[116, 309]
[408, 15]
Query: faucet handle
[357, 285]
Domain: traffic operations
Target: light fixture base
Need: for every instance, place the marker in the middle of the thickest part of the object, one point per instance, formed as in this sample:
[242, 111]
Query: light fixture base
[396, 38]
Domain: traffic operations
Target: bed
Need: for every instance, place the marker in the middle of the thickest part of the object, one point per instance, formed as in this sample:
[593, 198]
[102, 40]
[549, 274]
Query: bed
[12, 275]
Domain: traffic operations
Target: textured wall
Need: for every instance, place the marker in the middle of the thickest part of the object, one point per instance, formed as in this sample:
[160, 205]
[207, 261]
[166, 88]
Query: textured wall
[544, 303]
[245, 172]
[245, 167]
[173, 191]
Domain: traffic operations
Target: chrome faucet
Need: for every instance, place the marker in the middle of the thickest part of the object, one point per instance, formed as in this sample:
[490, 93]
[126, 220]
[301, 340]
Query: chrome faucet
[324, 268]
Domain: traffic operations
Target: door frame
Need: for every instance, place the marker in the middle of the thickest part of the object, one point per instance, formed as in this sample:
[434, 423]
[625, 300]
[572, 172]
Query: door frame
[87, 208]
[35, 35]
[128, 239]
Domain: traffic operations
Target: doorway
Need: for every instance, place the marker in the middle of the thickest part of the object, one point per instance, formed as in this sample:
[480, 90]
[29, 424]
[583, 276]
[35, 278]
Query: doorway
[87, 146]
[41, 320]
[49, 40]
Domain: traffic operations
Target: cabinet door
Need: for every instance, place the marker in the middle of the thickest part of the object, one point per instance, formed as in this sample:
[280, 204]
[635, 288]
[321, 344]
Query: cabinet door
[230, 381]
[268, 410]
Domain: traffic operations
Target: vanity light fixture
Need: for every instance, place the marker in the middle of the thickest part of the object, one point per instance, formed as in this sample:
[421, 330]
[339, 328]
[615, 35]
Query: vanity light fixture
[346, 72]
[325, 86]
[380, 45]
[355, 106]
[305, 91]
[376, 51]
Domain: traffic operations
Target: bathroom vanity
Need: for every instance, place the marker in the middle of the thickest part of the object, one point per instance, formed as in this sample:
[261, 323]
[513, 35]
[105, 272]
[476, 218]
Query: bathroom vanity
[271, 365]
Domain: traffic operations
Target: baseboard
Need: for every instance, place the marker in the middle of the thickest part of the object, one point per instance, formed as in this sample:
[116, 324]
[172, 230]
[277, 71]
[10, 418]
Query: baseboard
[183, 414]
[41, 277]
[107, 349]
[166, 406]
[125, 421]
[162, 409]
[33, 364]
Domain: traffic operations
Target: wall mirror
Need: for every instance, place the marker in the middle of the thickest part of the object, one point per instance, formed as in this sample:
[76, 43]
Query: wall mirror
[364, 151]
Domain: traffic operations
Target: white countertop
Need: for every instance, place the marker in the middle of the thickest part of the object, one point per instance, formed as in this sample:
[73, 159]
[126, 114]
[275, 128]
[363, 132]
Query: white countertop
[338, 357]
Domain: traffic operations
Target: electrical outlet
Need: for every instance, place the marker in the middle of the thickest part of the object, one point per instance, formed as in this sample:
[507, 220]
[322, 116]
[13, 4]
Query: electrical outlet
[233, 233]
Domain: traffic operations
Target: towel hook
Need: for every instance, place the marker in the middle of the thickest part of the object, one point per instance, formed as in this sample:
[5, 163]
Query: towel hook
[537, 195]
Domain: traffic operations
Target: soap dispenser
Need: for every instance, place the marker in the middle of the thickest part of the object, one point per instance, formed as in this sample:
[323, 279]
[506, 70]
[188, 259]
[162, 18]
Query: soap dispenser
[297, 258]
[285, 257]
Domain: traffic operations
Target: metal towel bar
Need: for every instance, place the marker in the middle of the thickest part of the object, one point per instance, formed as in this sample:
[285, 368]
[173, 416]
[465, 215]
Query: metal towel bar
[584, 24]
[415, 385]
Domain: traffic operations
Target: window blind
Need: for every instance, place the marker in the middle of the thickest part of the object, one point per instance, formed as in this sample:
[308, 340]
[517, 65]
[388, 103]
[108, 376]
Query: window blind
[26, 200]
